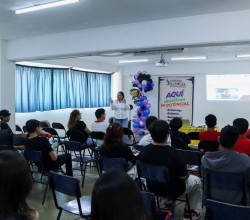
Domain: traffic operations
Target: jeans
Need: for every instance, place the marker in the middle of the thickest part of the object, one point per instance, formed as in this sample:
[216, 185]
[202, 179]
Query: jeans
[122, 122]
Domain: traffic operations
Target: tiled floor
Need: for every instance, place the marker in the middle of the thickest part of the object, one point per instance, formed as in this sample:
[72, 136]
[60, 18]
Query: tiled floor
[48, 210]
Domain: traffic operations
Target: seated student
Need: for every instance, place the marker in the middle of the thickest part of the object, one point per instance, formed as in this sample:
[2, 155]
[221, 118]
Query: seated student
[159, 153]
[75, 123]
[15, 186]
[116, 198]
[113, 144]
[51, 159]
[100, 124]
[147, 139]
[243, 143]
[175, 125]
[210, 134]
[226, 159]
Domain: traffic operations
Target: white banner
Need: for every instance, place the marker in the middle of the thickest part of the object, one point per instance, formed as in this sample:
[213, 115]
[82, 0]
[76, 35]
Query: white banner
[176, 97]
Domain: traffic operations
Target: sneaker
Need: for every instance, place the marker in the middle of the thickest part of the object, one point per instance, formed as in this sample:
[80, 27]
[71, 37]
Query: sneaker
[195, 215]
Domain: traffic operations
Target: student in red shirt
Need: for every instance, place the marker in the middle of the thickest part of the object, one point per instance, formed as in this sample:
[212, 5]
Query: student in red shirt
[243, 143]
[210, 134]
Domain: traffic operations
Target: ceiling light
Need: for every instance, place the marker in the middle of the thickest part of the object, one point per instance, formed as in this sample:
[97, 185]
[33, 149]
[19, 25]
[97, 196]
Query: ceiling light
[190, 58]
[243, 55]
[133, 61]
[44, 6]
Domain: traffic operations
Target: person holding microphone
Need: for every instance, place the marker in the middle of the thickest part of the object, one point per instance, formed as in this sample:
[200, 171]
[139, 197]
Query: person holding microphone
[120, 109]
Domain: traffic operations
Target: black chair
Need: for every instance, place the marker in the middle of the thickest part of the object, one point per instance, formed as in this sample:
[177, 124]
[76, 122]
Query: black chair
[193, 135]
[159, 176]
[78, 151]
[35, 160]
[60, 128]
[216, 210]
[192, 159]
[208, 145]
[55, 137]
[19, 129]
[98, 136]
[69, 186]
[75, 135]
[25, 129]
[233, 187]
[109, 163]
[129, 135]
[178, 143]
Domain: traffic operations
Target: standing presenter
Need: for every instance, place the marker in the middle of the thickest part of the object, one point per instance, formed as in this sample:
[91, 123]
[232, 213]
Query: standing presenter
[120, 109]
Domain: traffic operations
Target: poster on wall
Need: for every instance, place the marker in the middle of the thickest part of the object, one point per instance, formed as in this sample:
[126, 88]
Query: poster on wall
[176, 97]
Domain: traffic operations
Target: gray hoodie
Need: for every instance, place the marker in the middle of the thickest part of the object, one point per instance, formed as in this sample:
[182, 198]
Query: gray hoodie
[227, 161]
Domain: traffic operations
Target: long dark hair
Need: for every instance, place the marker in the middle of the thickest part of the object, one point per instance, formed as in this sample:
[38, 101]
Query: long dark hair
[116, 197]
[113, 137]
[73, 119]
[15, 184]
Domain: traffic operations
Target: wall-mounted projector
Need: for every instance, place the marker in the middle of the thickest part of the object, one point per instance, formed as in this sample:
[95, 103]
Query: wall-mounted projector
[162, 62]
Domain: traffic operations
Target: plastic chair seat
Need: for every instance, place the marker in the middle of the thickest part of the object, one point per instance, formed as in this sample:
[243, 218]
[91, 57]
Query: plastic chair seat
[72, 206]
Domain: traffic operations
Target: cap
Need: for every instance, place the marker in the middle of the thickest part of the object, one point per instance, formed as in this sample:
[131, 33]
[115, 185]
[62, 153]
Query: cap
[4, 113]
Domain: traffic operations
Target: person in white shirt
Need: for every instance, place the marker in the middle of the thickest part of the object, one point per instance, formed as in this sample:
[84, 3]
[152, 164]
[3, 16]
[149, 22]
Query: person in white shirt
[147, 139]
[100, 124]
[120, 109]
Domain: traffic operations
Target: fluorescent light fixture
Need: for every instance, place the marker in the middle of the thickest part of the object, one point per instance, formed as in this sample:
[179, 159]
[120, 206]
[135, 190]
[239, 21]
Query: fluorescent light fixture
[243, 55]
[44, 6]
[133, 61]
[190, 58]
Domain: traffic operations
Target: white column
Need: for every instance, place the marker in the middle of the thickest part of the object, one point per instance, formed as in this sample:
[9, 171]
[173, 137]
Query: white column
[7, 83]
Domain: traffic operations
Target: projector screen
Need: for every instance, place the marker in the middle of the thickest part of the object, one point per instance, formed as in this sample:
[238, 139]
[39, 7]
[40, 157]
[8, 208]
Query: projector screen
[228, 87]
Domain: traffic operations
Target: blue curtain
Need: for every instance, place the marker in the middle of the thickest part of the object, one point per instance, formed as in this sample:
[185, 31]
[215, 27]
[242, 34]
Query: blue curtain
[43, 89]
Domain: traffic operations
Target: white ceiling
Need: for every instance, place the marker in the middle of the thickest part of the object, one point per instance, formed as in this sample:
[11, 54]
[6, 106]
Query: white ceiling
[102, 13]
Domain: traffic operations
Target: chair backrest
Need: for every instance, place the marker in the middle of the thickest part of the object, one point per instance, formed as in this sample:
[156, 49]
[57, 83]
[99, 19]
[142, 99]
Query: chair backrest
[155, 175]
[208, 145]
[75, 135]
[194, 135]
[73, 146]
[224, 211]
[129, 133]
[191, 157]
[19, 129]
[57, 125]
[97, 135]
[6, 140]
[51, 131]
[110, 163]
[178, 143]
[33, 156]
[226, 187]
[67, 185]
[149, 203]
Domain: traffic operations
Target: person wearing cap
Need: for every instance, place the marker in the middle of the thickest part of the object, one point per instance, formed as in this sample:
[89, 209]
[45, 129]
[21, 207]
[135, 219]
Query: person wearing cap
[35, 142]
[5, 117]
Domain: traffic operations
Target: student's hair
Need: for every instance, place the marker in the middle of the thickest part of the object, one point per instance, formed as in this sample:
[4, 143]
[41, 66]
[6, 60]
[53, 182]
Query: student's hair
[99, 112]
[31, 125]
[242, 124]
[150, 120]
[16, 184]
[175, 124]
[113, 137]
[211, 121]
[159, 130]
[115, 196]
[73, 118]
[122, 94]
[228, 136]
